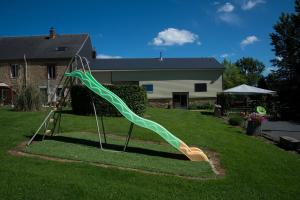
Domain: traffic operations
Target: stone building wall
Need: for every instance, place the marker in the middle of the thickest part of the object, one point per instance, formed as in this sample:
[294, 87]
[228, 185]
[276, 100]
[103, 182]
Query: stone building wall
[37, 75]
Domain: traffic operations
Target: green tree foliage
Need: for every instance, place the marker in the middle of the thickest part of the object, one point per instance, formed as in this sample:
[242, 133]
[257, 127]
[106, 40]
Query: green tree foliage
[251, 68]
[232, 76]
[262, 83]
[286, 43]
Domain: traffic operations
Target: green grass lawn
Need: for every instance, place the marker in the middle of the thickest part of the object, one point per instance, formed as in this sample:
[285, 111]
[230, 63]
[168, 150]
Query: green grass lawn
[149, 157]
[254, 168]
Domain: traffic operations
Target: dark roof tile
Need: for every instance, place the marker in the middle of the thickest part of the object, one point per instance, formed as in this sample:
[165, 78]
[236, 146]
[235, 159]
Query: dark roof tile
[155, 64]
[40, 47]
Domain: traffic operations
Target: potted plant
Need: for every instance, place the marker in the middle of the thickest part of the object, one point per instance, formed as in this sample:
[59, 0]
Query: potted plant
[254, 121]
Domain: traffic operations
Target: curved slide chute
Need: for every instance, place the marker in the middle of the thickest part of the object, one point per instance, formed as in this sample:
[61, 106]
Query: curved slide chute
[193, 153]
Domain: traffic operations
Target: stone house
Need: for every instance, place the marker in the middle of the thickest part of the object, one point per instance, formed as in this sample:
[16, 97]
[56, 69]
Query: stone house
[39, 60]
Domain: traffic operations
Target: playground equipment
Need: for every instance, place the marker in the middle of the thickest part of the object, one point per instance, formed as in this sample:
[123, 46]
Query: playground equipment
[85, 76]
[261, 110]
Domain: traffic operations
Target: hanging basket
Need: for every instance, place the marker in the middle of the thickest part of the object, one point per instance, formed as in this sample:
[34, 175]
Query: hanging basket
[253, 128]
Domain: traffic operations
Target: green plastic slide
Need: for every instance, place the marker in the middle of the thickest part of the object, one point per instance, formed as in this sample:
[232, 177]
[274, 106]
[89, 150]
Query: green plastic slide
[89, 81]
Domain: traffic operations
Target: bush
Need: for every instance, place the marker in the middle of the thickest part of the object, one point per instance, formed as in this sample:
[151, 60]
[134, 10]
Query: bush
[27, 98]
[133, 95]
[203, 106]
[225, 100]
[236, 121]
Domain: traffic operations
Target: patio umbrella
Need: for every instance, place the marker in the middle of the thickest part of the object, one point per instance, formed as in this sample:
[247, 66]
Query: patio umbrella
[248, 90]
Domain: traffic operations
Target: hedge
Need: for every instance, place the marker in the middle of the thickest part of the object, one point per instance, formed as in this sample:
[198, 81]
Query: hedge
[133, 95]
[236, 121]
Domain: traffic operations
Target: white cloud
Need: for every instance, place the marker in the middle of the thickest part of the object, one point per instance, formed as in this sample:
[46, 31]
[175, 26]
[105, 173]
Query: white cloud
[227, 7]
[268, 70]
[226, 55]
[249, 40]
[230, 18]
[173, 36]
[104, 56]
[225, 13]
[248, 5]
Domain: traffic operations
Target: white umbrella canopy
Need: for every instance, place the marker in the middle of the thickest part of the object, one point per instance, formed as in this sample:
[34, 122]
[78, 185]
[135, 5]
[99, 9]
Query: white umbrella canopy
[248, 90]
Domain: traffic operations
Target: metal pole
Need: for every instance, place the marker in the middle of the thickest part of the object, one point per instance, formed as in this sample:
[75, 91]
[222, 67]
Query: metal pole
[25, 71]
[59, 120]
[103, 129]
[128, 137]
[40, 128]
[46, 127]
[97, 122]
[56, 123]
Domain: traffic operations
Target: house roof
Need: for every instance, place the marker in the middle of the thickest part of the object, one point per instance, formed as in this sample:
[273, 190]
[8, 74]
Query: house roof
[128, 64]
[41, 47]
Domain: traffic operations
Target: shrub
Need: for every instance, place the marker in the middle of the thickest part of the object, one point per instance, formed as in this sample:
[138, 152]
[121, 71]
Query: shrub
[133, 95]
[236, 121]
[225, 100]
[204, 106]
[27, 98]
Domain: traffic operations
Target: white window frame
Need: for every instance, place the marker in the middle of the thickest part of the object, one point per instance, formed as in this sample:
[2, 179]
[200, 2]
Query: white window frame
[53, 77]
[16, 68]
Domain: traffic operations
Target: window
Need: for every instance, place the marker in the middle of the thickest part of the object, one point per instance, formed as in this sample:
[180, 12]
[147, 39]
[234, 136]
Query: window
[14, 71]
[148, 88]
[51, 72]
[61, 48]
[200, 87]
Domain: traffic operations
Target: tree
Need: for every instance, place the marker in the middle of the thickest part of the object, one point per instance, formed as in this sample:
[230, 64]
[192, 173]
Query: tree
[286, 43]
[251, 68]
[262, 83]
[232, 76]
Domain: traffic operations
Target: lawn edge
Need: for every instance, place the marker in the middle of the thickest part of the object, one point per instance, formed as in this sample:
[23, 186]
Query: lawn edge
[214, 163]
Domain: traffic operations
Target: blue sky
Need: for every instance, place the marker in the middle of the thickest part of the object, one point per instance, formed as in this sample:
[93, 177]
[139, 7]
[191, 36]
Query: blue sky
[178, 28]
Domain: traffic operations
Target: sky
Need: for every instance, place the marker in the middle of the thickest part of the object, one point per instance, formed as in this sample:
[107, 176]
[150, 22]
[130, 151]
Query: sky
[229, 29]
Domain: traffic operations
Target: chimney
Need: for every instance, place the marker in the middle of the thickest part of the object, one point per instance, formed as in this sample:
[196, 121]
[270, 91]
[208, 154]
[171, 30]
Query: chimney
[52, 33]
[160, 56]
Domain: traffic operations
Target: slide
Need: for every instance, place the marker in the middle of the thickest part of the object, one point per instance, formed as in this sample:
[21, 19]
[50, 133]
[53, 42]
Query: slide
[88, 80]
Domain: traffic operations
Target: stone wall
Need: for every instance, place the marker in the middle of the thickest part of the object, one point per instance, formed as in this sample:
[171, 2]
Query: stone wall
[167, 103]
[160, 103]
[37, 74]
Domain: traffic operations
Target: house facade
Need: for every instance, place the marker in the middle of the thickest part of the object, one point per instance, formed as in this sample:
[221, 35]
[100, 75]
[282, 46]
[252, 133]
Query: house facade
[42, 60]
[173, 82]
[39, 60]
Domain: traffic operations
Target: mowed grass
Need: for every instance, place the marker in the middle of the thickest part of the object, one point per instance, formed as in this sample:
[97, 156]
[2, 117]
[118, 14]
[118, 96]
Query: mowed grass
[145, 156]
[254, 168]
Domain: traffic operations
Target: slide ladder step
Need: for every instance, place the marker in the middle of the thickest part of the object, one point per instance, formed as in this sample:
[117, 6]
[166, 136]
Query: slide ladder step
[51, 120]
